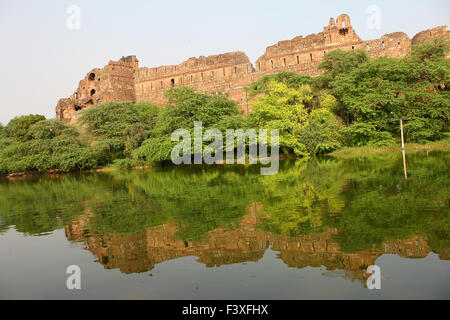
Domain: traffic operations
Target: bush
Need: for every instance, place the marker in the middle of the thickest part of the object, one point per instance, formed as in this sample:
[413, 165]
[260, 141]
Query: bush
[18, 128]
[322, 134]
[421, 130]
[364, 134]
[50, 145]
[185, 107]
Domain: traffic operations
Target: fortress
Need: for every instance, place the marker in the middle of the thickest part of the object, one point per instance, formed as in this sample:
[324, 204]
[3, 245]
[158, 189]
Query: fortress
[230, 73]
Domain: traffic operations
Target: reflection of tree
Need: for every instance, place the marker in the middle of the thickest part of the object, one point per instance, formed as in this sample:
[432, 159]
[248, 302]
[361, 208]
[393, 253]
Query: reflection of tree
[296, 200]
[365, 200]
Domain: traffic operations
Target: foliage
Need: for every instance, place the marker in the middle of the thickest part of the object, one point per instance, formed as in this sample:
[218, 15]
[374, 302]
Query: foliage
[18, 128]
[365, 134]
[185, 107]
[50, 145]
[322, 133]
[379, 91]
[118, 128]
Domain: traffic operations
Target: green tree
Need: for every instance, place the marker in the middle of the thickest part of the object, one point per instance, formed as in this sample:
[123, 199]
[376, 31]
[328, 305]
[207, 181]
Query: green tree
[18, 128]
[119, 127]
[185, 106]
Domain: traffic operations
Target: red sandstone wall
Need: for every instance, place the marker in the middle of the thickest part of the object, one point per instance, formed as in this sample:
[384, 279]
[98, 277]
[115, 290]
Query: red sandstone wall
[115, 82]
[230, 73]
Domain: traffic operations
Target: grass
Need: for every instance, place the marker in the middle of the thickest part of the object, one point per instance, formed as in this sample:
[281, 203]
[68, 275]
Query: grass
[443, 144]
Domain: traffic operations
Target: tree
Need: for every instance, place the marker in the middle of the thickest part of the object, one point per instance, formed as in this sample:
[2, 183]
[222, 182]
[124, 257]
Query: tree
[18, 128]
[185, 106]
[119, 127]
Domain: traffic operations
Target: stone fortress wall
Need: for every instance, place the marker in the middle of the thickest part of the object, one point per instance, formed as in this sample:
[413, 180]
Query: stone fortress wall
[230, 73]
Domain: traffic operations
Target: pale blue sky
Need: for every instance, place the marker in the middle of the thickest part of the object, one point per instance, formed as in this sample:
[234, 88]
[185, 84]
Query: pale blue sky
[42, 60]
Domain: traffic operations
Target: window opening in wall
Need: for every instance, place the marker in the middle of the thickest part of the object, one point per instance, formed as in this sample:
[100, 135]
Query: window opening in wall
[353, 47]
[92, 76]
[311, 57]
[92, 92]
[298, 60]
[382, 45]
[235, 70]
[77, 108]
[172, 83]
[284, 62]
[271, 62]
[201, 75]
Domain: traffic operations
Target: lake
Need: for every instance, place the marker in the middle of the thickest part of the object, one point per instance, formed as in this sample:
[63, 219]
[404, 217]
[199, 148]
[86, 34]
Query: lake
[226, 232]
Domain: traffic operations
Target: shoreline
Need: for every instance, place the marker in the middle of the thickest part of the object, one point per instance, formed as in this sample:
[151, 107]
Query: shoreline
[346, 152]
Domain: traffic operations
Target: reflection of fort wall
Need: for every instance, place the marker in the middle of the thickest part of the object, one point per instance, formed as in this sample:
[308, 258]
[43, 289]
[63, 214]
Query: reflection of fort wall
[141, 252]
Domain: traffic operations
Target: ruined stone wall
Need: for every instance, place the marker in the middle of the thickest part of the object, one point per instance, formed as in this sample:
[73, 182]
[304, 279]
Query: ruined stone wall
[115, 82]
[225, 73]
[230, 73]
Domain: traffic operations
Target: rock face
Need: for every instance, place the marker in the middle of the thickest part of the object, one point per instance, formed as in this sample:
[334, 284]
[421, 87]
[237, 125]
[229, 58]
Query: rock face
[230, 73]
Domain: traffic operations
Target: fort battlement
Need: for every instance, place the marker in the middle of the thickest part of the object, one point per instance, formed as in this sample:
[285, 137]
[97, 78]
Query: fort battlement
[230, 73]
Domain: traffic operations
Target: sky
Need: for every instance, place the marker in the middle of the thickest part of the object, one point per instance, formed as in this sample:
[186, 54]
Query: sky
[44, 52]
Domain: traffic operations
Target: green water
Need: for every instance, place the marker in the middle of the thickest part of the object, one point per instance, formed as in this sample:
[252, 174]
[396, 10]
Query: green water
[226, 232]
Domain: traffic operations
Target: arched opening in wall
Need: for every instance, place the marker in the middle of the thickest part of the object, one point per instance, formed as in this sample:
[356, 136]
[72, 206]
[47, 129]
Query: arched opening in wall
[235, 70]
[271, 62]
[77, 108]
[311, 57]
[92, 92]
[298, 60]
[353, 47]
[172, 83]
[284, 62]
[91, 76]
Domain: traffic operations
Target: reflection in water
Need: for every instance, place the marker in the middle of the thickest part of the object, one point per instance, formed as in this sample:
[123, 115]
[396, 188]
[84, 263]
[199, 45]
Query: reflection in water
[342, 214]
[141, 252]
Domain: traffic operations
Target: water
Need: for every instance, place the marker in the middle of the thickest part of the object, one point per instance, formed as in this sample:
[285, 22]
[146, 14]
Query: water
[226, 232]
